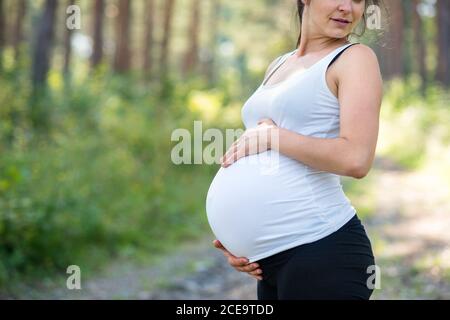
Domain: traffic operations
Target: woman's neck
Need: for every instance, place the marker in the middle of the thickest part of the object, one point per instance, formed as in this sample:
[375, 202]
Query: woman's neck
[310, 45]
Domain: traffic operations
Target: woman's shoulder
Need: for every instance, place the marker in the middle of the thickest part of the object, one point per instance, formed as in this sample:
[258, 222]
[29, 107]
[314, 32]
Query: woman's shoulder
[358, 60]
[359, 55]
[357, 64]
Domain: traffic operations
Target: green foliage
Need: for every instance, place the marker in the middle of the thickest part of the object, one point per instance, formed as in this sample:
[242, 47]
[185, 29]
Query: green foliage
[100, 183]
[411, 123]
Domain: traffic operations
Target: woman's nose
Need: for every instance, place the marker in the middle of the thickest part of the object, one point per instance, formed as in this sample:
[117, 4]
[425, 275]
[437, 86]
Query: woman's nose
[345, 6]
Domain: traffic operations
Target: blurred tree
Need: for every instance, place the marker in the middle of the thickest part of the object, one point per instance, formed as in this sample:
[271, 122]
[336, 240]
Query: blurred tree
[408, 42]
[393, 54]
[242, 66]
[419, 45]
[2, 33]
[122, 56]
[18, 35]
[214, 17]
[97, 54]
[67, 45]
[443, 25]
[149, 36]
[42, 53]
[43, 43]
[167, 29]
[191, 56]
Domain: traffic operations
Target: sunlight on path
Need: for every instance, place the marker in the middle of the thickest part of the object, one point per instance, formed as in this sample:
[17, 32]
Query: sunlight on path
[409, 231]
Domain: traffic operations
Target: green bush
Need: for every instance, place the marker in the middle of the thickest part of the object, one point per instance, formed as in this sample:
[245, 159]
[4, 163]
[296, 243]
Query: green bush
[410, 122]
[101, 181]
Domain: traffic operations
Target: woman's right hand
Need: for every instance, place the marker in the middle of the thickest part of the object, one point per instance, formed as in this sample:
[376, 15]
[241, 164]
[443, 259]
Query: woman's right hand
[240, 264]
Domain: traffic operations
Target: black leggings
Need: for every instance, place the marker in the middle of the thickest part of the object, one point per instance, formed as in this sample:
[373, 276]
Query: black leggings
[334, 267]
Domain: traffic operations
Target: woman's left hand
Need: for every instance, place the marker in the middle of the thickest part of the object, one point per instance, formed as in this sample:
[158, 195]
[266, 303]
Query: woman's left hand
[252, 141]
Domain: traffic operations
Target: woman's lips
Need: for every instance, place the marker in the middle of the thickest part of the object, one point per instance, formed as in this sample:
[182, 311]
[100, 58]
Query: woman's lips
[341, 22]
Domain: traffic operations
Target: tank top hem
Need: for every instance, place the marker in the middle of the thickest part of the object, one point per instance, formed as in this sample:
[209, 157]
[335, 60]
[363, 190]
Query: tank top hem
[331, 229]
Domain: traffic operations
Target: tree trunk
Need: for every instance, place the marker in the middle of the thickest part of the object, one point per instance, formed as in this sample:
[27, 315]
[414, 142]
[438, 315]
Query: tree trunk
[392, 52]
[18, 36]
[168, 14]
[211, 57]
[43, 44]
[407, 50]
[2, 32]
[398, 38]
[420, 45]
[122, 58]
[97, 54]
[149, 37]
[42, 48]
[68, 45]
[191, 56]
[443, 21]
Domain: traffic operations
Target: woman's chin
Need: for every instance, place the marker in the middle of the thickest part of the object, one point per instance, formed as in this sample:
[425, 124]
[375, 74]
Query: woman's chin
[338, 34]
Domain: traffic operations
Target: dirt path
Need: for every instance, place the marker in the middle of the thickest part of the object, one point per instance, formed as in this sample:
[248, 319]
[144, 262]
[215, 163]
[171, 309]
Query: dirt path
[196, 270]
[408, 230]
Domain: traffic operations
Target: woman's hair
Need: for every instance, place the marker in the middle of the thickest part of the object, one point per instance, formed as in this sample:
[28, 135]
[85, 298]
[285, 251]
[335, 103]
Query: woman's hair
[362, 25]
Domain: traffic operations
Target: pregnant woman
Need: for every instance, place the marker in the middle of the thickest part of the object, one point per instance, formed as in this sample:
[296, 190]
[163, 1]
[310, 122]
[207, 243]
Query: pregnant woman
[294, 229]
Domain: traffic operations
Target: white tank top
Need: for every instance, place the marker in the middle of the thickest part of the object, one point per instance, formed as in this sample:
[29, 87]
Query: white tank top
[255, 214]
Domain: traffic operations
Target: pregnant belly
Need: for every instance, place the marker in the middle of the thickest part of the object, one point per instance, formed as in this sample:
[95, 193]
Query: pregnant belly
[253, 207]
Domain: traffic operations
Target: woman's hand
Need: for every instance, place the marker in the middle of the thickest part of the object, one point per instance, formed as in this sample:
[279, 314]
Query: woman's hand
[240, 264]
[252, 141]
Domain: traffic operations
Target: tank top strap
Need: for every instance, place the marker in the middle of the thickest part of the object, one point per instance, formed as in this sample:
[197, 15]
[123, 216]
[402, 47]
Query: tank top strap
[279, 62]
[336, 53]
